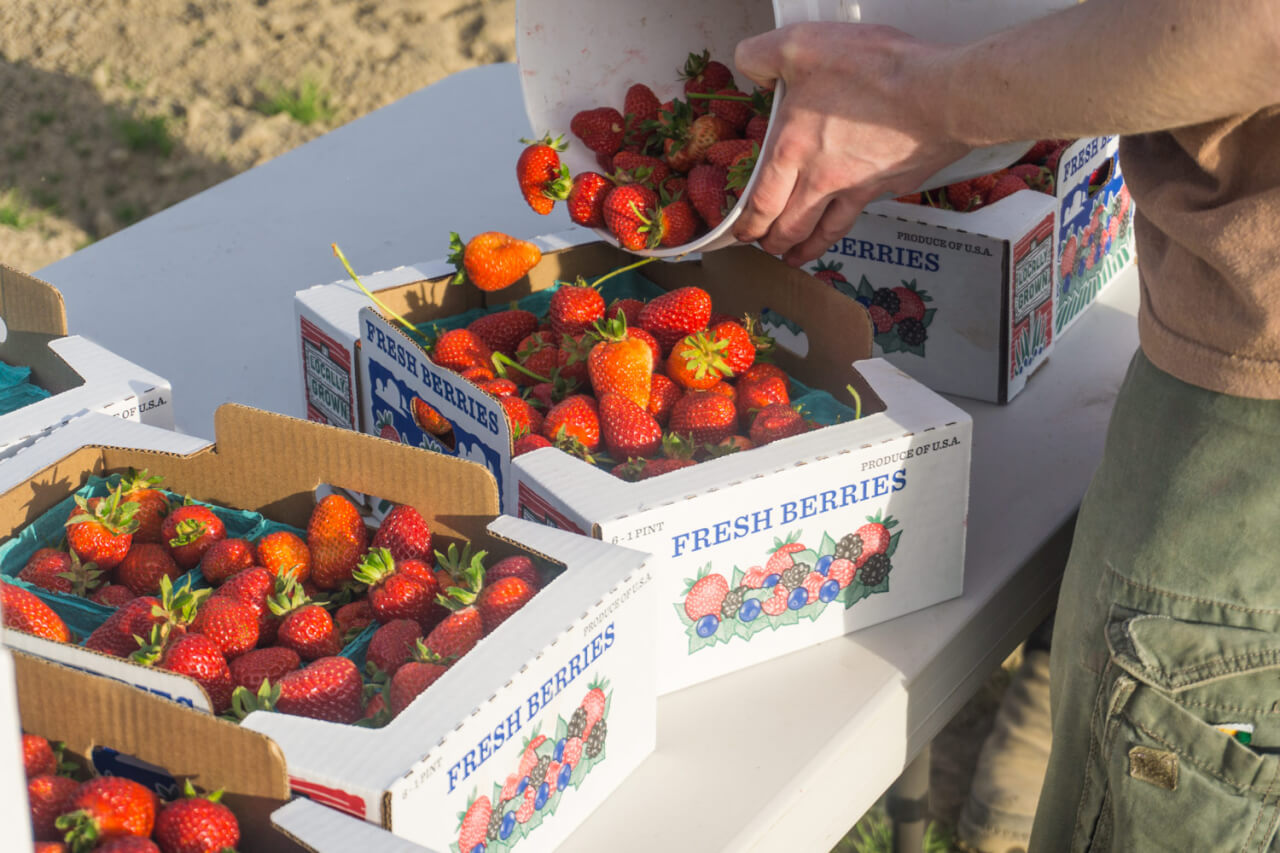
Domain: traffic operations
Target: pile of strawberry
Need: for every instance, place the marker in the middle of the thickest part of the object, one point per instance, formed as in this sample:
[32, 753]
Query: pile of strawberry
[270, 630]
[1035, 171]
[668, 171]
[639, 387]
[112, 814]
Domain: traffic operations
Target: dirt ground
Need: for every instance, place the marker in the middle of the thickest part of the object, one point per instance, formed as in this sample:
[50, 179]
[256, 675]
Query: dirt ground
[111, 110]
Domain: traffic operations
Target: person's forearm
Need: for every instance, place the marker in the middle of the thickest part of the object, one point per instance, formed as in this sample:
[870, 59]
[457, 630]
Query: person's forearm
[1111, 66]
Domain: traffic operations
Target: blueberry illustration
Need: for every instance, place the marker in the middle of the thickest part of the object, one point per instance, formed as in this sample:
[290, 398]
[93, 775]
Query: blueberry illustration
[566, 773]
[558, 755]
[864, 301]
[479, 848]
[707, 625]
[772, 580]
[524, 783]
[749, 610]
[508, 825]
[829, 590]
[798, 598]
[540, 799]
[824, 565]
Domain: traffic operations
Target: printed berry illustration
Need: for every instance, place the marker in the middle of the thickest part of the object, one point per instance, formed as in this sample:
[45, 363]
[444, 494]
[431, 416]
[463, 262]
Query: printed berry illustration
[1094, 240]
[794, 583]
[385, 424]
[548, 768]
[899, 315]
[829, 272]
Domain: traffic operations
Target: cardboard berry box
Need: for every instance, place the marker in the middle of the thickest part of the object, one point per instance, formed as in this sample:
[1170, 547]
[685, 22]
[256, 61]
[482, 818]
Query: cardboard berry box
[982, 295]
[459, 743]
[80, 375]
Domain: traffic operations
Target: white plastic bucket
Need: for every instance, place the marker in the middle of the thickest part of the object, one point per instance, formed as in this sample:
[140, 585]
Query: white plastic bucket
[579, 55]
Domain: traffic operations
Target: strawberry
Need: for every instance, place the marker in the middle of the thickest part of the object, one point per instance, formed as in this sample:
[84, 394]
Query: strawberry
[574, 309]
[117, 635]
[189, 531]
[708, 193]
[60, 571]
[194, 655]
[414, 676]
[392, 644]
[756, 395]
[704, 596]
[703, 417]
[575, 417]
[517, 566]
[194, 824]
[139, 487]
[475, 823]
[459, 349]
[732, 106]
[726, 151]
[639, 106]
[911, 198]
[628, 430]
[675, 314]
[254, 586]
[352, 618]
[522, 416]
[459, 631]
[702, 74]
[538, 354]
[529, 443]
[100, 530]
[620, 363]
[697, 361]
[756, 129]
[631, 168]
[284, 551]
[128, 844]
[230, 623]
[394, 594]
[781, 557]
[306, 628]
[24, 611]
[144, 566]
[336, 538]
[225, 558]
[649, 340]
[1006, 186]
[571, 360]
[542, 178]
[630, 309]
[106, 807]
[674, 224]
[739, 351]
[502, 331]
[776, 604]
[405, 533]
[250, 669]
[477, 373]
[1036, 177]
[49, 796]
[962, 196]
[600, 129]
[492, 260]
[501, 598]
[776, 421]
[663, 393]
[644, 469]
[626, 211]
[910, 302]
[38, 758]
[329, 688]
[841, 570]
[689, 144]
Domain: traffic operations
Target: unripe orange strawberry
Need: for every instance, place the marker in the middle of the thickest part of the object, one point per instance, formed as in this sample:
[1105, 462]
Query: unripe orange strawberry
[284, 552]
[697, 361]
[621, 364]
[337, 538]
[492, 260]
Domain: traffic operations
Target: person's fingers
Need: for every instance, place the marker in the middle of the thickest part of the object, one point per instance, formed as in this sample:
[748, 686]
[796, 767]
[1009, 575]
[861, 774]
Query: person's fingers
[815, 188]
[836, 221]
[775, 180]
[760, 58]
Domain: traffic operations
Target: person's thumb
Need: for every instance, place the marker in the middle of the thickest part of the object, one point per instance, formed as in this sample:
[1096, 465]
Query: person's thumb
[760, 58]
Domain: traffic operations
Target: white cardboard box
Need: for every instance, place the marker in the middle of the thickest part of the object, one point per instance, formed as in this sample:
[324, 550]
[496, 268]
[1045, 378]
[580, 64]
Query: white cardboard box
[82, 376]
[15, 816]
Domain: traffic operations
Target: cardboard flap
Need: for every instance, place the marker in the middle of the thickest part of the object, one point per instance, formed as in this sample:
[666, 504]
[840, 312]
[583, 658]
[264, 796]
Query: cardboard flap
[318, 827]
[28, 304]
[89, 711]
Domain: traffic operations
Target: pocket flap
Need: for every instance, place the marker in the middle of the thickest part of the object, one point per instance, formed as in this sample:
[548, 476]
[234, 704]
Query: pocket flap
[1173, 655]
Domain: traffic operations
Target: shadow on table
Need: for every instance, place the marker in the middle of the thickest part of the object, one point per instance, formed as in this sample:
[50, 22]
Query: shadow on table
[65, 153]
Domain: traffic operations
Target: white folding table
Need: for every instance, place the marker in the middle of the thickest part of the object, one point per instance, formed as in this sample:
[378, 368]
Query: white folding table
[783, 756]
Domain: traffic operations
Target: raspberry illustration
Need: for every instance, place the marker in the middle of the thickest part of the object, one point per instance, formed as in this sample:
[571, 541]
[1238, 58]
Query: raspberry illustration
[754, 578]
[777, 604]
[553, 776]
[849, 547]
[704, 596]
[881, 319]
[812, 584]
[886, 299]
[912, 332]
[795, 575]
[509, 789]
[841, 571]
[526, 808]
[572, 752]
[875, 570]
[910, 302]
[732, 602]
[595, 742]
[577, 725]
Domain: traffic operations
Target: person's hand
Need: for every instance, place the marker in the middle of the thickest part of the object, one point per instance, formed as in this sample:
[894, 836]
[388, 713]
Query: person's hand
[853, 124]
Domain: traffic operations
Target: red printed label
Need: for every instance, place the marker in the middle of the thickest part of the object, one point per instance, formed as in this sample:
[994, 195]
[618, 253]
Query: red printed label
[534, 507]
[327, 374]
[335, 798]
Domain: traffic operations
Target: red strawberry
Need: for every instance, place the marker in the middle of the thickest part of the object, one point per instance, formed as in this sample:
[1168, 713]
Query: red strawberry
[413, 677]
[776, 421]
[405, 533]
[1036, 177]
[459, 349]
[60, 571]
[396, 594]
[100, 530]
[24, 611]
[754, 395]
[352, 618]
[644, 469]
[128, 844]
[586, 199]
[517, 566]
[689, 147]
[910, 303]
[841, 570]
[306, 628]
[675, 223]
[705, 596]
[196, 656]
[734, 107]
[49, 796]
[725, 152]
[675, 314]
[630, 309]
[708, 194]
[523, 417]
[250, 669]
[189, 531]
[542, 178]
[600, 129]
[575, 417]
[628, 430]
[194, 824]
[640, 105]
[702, 74]
[254, 586]
[224, 559]
[539, 355]
[231, 624]
[880, 318]
[139, 487]
[38, 758]
[962, 197]
[106, 807]
[459, 631]
[704, 417]
[502, 331]
[756, 128]
[112, 595]
[392, 644]
[740, 351]
[1006, 186]
[116, 636]
[528, 443]
[492, 260]
[501, 598]
[144, 566]
[329, 688]
[336, 537]
[632, 168]
[663, 394]
[574, 309]
[627, 209]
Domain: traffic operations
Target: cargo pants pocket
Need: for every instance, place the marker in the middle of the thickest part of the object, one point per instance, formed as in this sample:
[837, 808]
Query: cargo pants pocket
[1181, 701]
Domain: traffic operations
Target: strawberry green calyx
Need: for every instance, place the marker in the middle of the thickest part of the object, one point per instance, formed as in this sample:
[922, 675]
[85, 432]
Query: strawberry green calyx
[179, 604]
[559, 189]
[571, 445]
[189, 793]
[556, 143]
[376, 566]
[469, 580]
[110, 512]
[81, 830]
[612, 329]
[288, 599]
[150, 649]
[702, 354]
[765, 344]
[422, 654]
[244, 702]
[457, 251]
[676, 446]
[695, 65]
[740, 171]
[83, 577]
[136, 479]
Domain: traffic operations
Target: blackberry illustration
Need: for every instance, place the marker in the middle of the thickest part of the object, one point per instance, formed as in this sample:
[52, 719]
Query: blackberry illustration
[540, 769]
[887, 299]
[912, 331]
[495, 825]
[732, 601]
[849, 547]
[795, 575]
[578, 723]
[595, 742]
[874, 570]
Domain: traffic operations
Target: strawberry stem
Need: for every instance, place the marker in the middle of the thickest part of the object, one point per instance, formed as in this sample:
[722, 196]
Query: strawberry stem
[857, 402]
[507, 361]
[376, 301]
[712, 96]
[608, 275]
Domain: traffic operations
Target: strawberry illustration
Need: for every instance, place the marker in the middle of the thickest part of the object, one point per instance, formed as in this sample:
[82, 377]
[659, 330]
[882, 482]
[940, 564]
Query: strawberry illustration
[189, 531]
[385, 424]
[105, 807]
[705, 595]
[100, 530]
[525, 812]
[754, 578]
[543, 179]
[910, 302]
[829, 272]
[509, 787]
[781, 558]
[194, 824]
[880, 318]
[776, 604]
[842, 571]
[553, 771]
[475, 822]
[601, 129]
[875, 536]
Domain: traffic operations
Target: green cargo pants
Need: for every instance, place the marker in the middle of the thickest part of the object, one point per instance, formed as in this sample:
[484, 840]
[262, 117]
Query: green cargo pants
[1165, 678]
